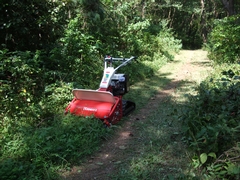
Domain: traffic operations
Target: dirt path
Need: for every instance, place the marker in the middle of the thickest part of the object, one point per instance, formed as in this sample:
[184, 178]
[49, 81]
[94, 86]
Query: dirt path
[189, 66]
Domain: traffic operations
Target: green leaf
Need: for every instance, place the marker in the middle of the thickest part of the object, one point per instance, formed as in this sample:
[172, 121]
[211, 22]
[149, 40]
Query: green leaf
[233, 169]
[203, 158]
[212, 154]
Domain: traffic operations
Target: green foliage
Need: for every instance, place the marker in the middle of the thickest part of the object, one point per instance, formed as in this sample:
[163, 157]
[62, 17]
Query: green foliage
[211, 123]
[167, 44]
[37, 153]
[27, 25]
[81, 55]
[21, 82]
[226, 166]
[51, 48]
[224, 40]
[185, 17]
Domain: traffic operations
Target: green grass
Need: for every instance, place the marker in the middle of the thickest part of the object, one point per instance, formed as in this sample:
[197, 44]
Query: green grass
[38, 153]
[157, 152]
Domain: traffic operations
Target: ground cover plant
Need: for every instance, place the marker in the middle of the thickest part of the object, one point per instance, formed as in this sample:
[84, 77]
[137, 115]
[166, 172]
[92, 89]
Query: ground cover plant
[38, 153]
[211, 124]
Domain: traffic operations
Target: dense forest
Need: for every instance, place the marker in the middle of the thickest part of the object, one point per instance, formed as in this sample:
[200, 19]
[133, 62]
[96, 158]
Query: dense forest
[49, 47]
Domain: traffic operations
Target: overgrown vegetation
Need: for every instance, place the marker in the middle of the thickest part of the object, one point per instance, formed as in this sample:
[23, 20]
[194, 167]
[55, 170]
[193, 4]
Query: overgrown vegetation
[211, 124]
[28, 152]
[224, 40]
[51, 47]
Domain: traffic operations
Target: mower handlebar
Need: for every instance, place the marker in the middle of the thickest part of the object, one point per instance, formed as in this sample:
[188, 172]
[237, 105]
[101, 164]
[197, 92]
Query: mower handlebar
[111, 59]
[125, 61]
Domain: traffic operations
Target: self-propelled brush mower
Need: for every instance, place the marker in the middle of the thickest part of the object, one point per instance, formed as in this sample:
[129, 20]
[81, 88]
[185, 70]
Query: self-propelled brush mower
[107, 102]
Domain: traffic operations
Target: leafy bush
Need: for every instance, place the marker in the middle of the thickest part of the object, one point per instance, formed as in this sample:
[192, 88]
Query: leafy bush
[224, 40]
[22, 83]
[211, 123]
[80, 56]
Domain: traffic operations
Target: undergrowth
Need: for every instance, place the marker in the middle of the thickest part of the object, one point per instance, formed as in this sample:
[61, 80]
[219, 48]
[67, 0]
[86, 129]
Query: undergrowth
[40, 152]
[211, 124]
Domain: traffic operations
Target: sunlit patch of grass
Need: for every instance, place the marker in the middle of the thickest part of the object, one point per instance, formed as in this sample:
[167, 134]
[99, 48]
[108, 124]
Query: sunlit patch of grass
[158, 150]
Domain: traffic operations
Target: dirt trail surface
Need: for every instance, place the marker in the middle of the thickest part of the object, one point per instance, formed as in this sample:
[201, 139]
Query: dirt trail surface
[127, 144]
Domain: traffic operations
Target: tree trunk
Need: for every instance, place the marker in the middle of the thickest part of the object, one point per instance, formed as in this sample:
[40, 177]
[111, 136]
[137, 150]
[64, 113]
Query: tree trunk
[203, 22]
[229, 6]
[143, 9]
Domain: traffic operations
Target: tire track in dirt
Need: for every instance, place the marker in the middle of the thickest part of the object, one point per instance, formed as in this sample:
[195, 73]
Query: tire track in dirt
[112, 152]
